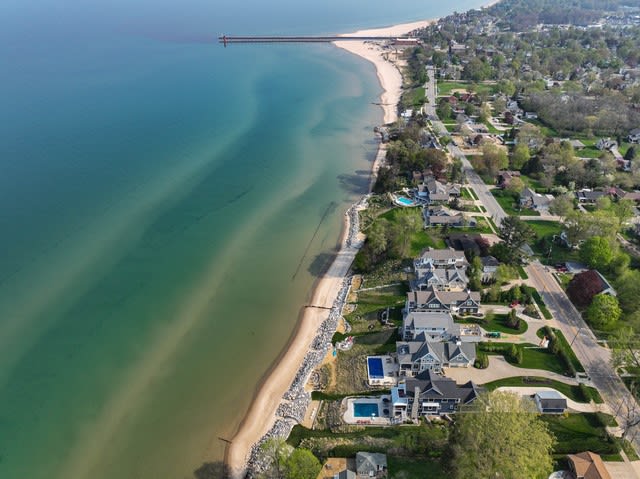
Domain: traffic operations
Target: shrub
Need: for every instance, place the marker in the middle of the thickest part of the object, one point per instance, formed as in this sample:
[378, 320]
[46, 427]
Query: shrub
[482, 361]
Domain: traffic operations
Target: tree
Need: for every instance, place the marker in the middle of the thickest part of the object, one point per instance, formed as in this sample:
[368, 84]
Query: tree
[530, 136]
[475, 274]
[580, 226]
[494, 159]
[501, 437]
[561, 205]
[624, 344]
[514, 232]
[515, 186]
[520, 156]
[604, 311]
[596, 252]
[402, 231]
[377, 236]
[302, 464]
[624, 210]
[275, 452]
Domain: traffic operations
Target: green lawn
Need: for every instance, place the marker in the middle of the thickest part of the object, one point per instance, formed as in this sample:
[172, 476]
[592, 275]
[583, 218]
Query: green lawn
[532, 183]
[564, 344]
[545, 228]
[581, 432]
[446, 87]
[589, 152]
[533, 357]
[466, 194]
[498, 323]
[414, 97]
[409, 468]
[572, 392]
[511, 205]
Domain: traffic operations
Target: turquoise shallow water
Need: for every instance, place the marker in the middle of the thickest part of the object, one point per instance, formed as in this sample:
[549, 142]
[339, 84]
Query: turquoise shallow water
[157, 196]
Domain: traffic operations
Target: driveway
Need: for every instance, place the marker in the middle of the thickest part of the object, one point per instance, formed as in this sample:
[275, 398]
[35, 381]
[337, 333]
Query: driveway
[499, 368]
[573, 405]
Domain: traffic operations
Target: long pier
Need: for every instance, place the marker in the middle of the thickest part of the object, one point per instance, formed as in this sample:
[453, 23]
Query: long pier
[225, 39]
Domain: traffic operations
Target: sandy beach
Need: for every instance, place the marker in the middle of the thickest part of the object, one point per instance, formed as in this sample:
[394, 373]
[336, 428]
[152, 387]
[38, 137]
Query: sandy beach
[388, 74]
[261, 416]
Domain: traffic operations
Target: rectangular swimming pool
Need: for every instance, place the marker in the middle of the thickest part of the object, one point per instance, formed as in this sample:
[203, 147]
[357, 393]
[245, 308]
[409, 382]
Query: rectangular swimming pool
[367, 409]
[405, 201]
[375, 368]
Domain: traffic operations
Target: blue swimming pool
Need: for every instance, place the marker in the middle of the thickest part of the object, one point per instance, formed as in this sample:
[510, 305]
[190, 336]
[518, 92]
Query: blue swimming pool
[375, 368]
[365, 409]
[405, 201]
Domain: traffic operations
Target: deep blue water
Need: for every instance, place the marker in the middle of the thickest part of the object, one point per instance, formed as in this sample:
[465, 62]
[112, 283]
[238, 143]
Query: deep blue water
[158, 194]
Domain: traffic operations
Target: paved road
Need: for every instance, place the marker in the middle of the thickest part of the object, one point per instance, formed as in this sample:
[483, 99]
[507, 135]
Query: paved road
[482, 190]
[595, 358]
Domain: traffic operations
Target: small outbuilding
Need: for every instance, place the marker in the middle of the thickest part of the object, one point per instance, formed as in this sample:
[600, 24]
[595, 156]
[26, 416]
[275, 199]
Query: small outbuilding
[550, 402]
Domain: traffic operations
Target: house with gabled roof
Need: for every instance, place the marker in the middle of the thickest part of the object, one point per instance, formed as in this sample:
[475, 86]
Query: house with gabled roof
[534, 200]
[435, 192]
[589, 196]
[415, 357]
[587, 465]
[371, 464]
[432, 300]
[445, 258]
[430, 327]
[431, 395]
[441, 279]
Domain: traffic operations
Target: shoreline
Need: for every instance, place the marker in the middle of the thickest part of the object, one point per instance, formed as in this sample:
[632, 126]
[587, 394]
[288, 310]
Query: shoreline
[284, 382]
[280, 400]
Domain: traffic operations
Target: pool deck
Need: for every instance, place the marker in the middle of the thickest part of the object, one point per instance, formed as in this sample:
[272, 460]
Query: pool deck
[390, 370]
[350, 418]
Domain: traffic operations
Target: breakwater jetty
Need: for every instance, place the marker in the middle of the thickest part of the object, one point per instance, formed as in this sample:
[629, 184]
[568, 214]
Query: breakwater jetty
[226, 39]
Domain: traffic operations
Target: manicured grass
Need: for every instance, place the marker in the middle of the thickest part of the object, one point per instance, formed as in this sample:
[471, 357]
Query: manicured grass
[545, 228]
[533, 357]
[446, 87]
[510, 204]
[493, 225]
[572, 392]
[580, 432]
[563, 279]
[499, 323]
[589, 152]
[407, 467]
[564, 345]
[466, 194]
[523, 274]
[543, 307]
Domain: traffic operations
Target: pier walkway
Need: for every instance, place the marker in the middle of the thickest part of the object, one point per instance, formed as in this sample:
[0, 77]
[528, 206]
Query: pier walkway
[225, 39]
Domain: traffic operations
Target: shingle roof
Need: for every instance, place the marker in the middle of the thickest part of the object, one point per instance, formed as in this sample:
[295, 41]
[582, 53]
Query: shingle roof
[589, 465]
